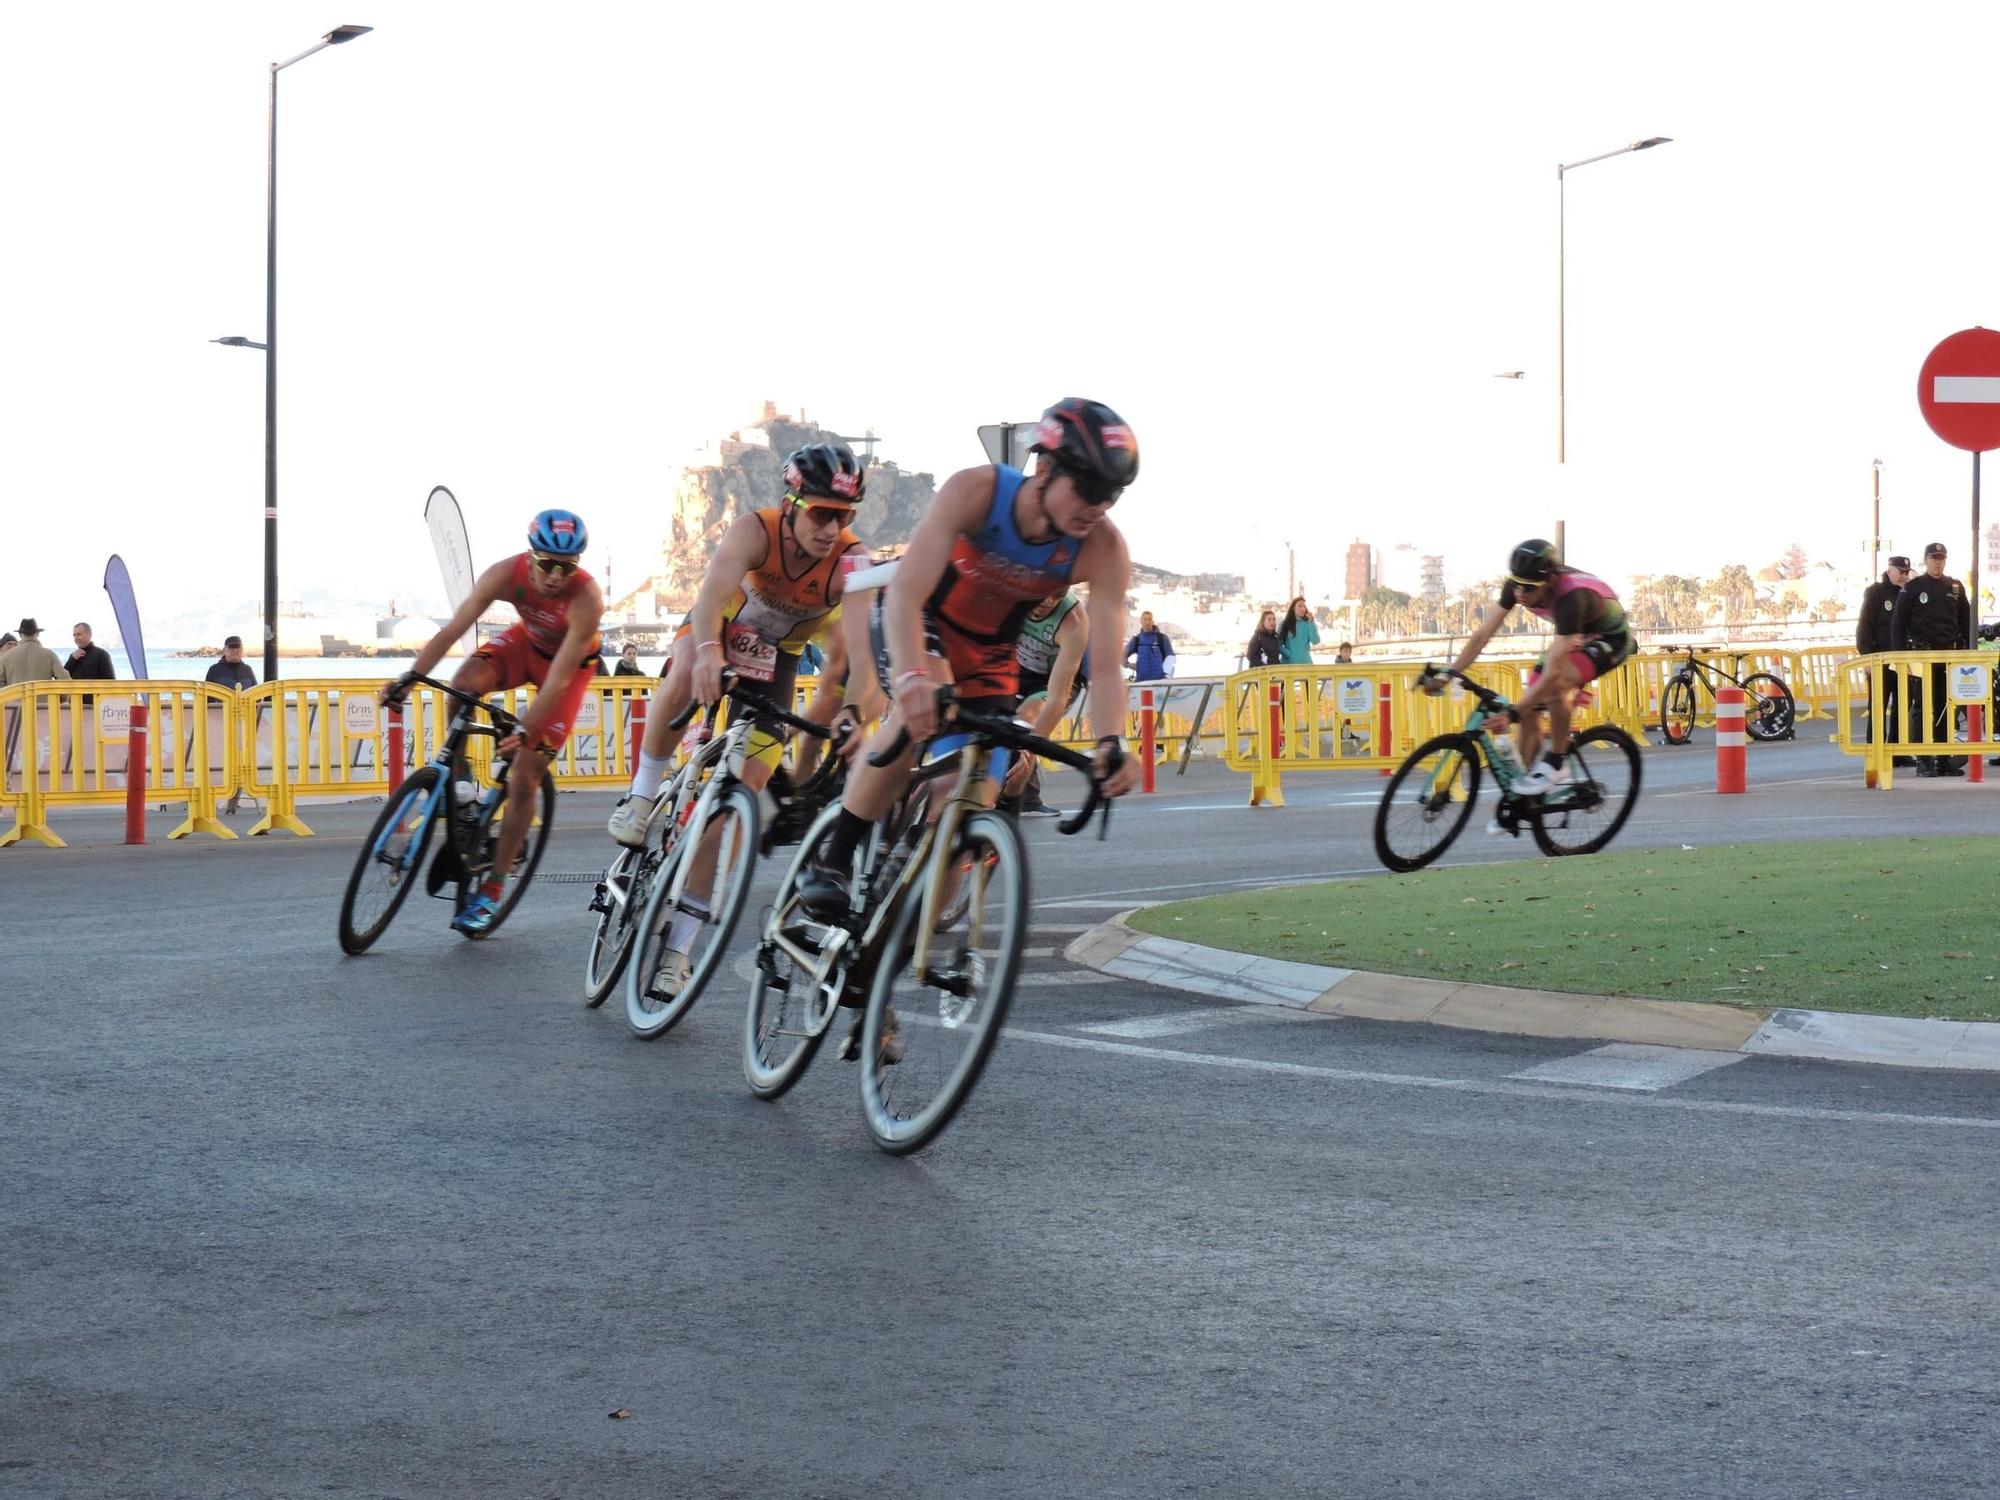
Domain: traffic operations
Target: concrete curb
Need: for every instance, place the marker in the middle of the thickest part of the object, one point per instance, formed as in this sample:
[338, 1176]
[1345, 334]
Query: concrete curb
[1114, 948]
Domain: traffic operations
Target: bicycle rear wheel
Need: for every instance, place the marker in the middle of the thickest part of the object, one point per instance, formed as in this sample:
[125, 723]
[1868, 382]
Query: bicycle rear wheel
[788, 1014]
[1677, 711]
[1585, 815]
[621, 898]
[1427, 802]
[1768, 709]
[485, 835]
[389, 864]
[664, 981]
[947, 1020]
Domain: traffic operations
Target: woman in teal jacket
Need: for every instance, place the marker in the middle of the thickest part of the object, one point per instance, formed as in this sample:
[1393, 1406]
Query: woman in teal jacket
[1298, 635]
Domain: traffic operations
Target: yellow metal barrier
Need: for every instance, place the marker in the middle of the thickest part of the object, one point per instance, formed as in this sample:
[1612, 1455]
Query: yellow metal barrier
[1816, 689]
[62, 744]
[1862, 681]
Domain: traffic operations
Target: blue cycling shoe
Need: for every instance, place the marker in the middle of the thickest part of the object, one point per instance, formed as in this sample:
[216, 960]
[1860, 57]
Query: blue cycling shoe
[477, 918]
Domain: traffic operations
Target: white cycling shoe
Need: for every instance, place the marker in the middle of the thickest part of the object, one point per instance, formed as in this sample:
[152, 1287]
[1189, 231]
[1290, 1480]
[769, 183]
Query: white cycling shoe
[630, 819]
[1544, 778]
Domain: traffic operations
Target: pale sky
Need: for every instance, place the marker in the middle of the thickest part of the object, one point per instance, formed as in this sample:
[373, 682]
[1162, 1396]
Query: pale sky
[539, 254]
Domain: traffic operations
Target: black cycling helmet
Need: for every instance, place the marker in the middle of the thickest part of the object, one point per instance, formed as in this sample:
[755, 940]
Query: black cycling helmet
[826, 474]
[1091, 443]
[1534, 561]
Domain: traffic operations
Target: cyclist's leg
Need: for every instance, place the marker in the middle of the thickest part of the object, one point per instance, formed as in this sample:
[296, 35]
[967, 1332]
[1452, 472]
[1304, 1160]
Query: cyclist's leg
[517, 815]
[675, 689]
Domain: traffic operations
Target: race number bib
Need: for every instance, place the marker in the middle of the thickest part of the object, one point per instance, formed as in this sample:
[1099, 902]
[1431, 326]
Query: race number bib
[748, 652]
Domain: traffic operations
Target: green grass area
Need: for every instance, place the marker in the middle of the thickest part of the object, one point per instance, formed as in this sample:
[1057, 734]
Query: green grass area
[1898, 927]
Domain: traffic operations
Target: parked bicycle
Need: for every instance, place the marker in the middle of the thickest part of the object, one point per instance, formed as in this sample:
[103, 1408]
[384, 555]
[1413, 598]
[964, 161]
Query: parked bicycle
[1430, 798]
[443, 791]
[708, 852]
[929, 949]
[1768, 709]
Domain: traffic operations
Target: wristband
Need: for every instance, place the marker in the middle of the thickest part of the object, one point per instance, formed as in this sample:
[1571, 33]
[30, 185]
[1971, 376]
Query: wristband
[699, 644]
[1114, 741]
[913, 672]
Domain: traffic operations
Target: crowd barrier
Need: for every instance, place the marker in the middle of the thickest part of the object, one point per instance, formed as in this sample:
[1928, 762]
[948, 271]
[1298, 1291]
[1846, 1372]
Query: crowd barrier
[1868, 724]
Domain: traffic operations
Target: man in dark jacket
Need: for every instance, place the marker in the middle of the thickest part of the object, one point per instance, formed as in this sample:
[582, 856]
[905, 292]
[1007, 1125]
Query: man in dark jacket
[232, 670]
[1932, 614]
[1871, 635]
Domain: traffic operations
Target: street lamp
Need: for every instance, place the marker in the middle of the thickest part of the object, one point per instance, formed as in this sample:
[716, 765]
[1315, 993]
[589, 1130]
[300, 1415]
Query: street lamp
[333, 38]
[1875, 532]
[1563, 169]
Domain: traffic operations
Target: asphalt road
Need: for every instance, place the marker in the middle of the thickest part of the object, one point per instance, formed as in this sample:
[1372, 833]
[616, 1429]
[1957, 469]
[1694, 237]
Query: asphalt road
[279, 1222]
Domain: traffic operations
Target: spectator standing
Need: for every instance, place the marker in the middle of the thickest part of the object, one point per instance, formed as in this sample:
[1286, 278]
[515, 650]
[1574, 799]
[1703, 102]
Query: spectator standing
[89, 662]
[1344, 653]
[1932, 614]
[30, 660]
[1299, 634]
[8, 642]
[1871, 634]
[1264, 650]
[628, 662]
[1154, 653]
[232, 670]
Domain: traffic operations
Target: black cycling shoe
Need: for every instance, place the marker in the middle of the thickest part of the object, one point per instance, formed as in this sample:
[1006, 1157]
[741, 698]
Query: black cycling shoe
[823, 891]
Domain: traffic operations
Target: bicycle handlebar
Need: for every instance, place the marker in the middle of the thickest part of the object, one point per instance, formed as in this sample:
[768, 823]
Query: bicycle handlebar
[1017, 737]
[1489, 700]
[401, 686]
[754, 705]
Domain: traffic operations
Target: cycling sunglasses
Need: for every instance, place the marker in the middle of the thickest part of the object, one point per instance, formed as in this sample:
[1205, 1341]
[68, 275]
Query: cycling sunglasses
[1094, 490]
[561, 567]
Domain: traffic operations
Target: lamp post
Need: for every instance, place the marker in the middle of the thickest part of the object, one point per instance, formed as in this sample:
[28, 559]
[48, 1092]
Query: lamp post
[1563, 169]
[1875, 530]
[333, 38]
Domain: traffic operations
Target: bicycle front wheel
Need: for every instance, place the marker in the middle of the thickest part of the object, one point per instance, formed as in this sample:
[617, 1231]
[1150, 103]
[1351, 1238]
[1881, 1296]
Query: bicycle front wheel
[1768, 709]
[1585, 815]
[1427, 802]
[681, 943]
[389, 863]
[925, 1038]
[483, 838]
[1677, 711]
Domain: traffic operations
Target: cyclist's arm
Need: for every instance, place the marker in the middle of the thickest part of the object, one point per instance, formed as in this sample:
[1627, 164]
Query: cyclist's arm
[864, 693]
[1071, 637]
[1106, 566]
[740, 550]
[1489, 626]
[586, 611]
[485, 591]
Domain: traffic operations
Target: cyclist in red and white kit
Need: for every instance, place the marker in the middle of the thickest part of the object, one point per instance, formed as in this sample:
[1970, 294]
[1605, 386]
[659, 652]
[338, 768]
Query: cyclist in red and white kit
[560, 607]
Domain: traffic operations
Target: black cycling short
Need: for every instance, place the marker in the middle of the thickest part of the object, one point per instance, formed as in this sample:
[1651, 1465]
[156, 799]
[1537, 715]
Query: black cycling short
[1596, 656]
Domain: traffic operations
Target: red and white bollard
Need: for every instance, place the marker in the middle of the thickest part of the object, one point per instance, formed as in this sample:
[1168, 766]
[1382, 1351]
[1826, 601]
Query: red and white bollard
[1730, 754]
[1277, 718]
[1145, 739]
[394, 736]
[1385, 725]
[638, 731]
[1975, 731]
[135, 776]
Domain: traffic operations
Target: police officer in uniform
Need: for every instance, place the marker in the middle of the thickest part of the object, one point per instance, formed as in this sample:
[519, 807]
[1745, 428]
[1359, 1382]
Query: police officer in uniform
[1872, 635]
[1933, 614]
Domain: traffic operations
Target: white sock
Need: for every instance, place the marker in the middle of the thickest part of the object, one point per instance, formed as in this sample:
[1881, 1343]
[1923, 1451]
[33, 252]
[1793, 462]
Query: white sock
[652, 774]
[687, 922]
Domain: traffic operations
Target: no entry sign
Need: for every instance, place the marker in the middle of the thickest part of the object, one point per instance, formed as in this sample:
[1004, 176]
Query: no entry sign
[1958, 389]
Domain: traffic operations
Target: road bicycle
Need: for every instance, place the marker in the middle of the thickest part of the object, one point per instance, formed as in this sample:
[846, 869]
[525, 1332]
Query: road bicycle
[929, 948]
[1768, 709]
[1430, 798]
[706, 816]
[626, 886]
[443, 791]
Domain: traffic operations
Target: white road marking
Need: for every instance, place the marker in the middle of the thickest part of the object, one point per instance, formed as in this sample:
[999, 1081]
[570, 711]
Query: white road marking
[1066, 928]
[1494, 1088]
[1067, 979]
[1115, 898]
[1630, 1065]
[1101, 903]
[1176, 1023]
[1709, 791]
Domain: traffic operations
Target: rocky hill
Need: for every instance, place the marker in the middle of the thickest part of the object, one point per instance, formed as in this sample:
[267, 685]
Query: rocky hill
[745, 473]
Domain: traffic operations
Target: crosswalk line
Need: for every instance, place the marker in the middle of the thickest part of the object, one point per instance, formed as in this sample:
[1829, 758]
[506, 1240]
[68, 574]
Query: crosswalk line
[1629, 1065]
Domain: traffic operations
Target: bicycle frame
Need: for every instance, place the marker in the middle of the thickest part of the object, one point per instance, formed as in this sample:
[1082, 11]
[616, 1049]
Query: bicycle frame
[460, 729]
[723, 750]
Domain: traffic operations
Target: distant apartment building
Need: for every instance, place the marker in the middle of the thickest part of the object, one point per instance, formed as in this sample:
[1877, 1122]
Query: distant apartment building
[1360, 569]
[1409, 571]
[1990, 573]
